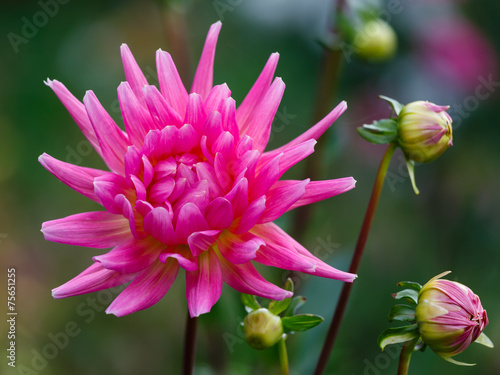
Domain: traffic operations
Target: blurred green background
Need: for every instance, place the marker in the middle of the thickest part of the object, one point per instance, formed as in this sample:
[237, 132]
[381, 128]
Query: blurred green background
[447, 51]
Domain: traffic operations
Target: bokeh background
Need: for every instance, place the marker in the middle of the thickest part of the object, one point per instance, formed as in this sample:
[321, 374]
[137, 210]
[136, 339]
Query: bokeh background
[447, 54]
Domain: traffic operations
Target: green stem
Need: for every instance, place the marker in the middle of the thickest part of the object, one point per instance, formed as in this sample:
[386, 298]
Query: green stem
[405, 356]
[189, 345]
[283, 356]
[356, 259]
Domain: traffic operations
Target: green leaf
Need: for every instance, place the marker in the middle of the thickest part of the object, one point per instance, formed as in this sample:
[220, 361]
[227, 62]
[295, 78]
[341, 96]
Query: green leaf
[410, 165]
[250, 302]
[294, 305]
[276, 307]
[410, 284]
[409, 294]
[401, 313]
[302, 322]
[398, 335]
[379, 132]
[484, 340]
[396, 106]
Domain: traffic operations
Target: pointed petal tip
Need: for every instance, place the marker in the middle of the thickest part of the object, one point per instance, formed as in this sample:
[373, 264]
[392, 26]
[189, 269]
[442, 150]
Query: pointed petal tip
[49, 82]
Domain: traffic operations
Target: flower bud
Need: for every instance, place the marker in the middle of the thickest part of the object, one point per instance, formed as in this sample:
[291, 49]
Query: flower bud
[262, 329]
[375, 40]
[424, 131]
[449, 317]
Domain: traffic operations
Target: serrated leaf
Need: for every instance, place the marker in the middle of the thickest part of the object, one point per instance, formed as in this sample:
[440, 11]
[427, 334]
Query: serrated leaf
[302, 322]
[294, 305]
[410, 284]
[250, 302]
[277, 307]
[408, 294]
[396, 106]
[376, 137]
[401, 313]
[398, 335]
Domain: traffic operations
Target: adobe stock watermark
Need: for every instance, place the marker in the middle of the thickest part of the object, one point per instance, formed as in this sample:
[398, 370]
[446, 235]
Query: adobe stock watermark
[60, 340]
[281, 120]
[223, 6]
[382, 361]
[483, 91]
[30, 26]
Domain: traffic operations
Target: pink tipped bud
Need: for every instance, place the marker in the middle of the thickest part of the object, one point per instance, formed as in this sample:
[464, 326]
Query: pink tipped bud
[449, 317]
[262, 329]
[424, 131]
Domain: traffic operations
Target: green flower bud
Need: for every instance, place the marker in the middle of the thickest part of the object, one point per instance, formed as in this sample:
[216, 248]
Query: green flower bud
[375, 40]
[262, 329]
[424, 131]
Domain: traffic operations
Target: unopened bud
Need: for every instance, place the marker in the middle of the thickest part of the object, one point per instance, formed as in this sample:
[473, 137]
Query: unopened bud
[262, 329]
[375, 40]
[424, 131]
[449, 317]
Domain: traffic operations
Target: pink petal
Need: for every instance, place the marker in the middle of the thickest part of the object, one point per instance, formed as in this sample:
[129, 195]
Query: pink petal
[132, 216]
[113, 140]
[182, 254]
[171, 85]
[313, 133]
[133, 73]
[212, 127]
[260, 128]
[148, 287]
[239, 249]
[204, 286]
[138, 121]
[319, 190]
[202, 241]
[189, 220]
[222, 172]
[203, 79]
[227, 109]
[238, 196]
[132, 256]
[187, 139]
[219, 213]
[78, 178]
[266, 177]
[107, 187]
[250, 217]
[294, 154]
[285, 258]
[206, 172]
[245, 279]
[225, 145]
[195, 112]
[161, 189]
[92, 229]
[247, 109]
[158, 223]
[161, 111]
[77, 111]
[93, 279]
[275, 237]
[216, 97]
[281, 197]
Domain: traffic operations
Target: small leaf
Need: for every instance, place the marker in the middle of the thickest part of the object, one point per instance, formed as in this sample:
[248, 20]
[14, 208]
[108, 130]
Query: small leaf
[396, 106]
[410, 165]
[397, 335]
[410, 284]
[250, 302]
[379, 132]
[484, 340]
[401, 313]
[276, 307]
[294, 305]
[455, 362]
[302, 322]
[409, 294]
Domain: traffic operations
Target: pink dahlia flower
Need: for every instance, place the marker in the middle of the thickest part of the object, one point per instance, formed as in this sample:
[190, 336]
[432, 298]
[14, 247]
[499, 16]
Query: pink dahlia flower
[189, 186]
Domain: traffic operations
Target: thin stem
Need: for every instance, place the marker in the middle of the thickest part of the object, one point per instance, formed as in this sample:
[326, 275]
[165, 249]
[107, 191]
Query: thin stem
[189, 345]
[405, 356]
[356, 259]
[283, 356]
